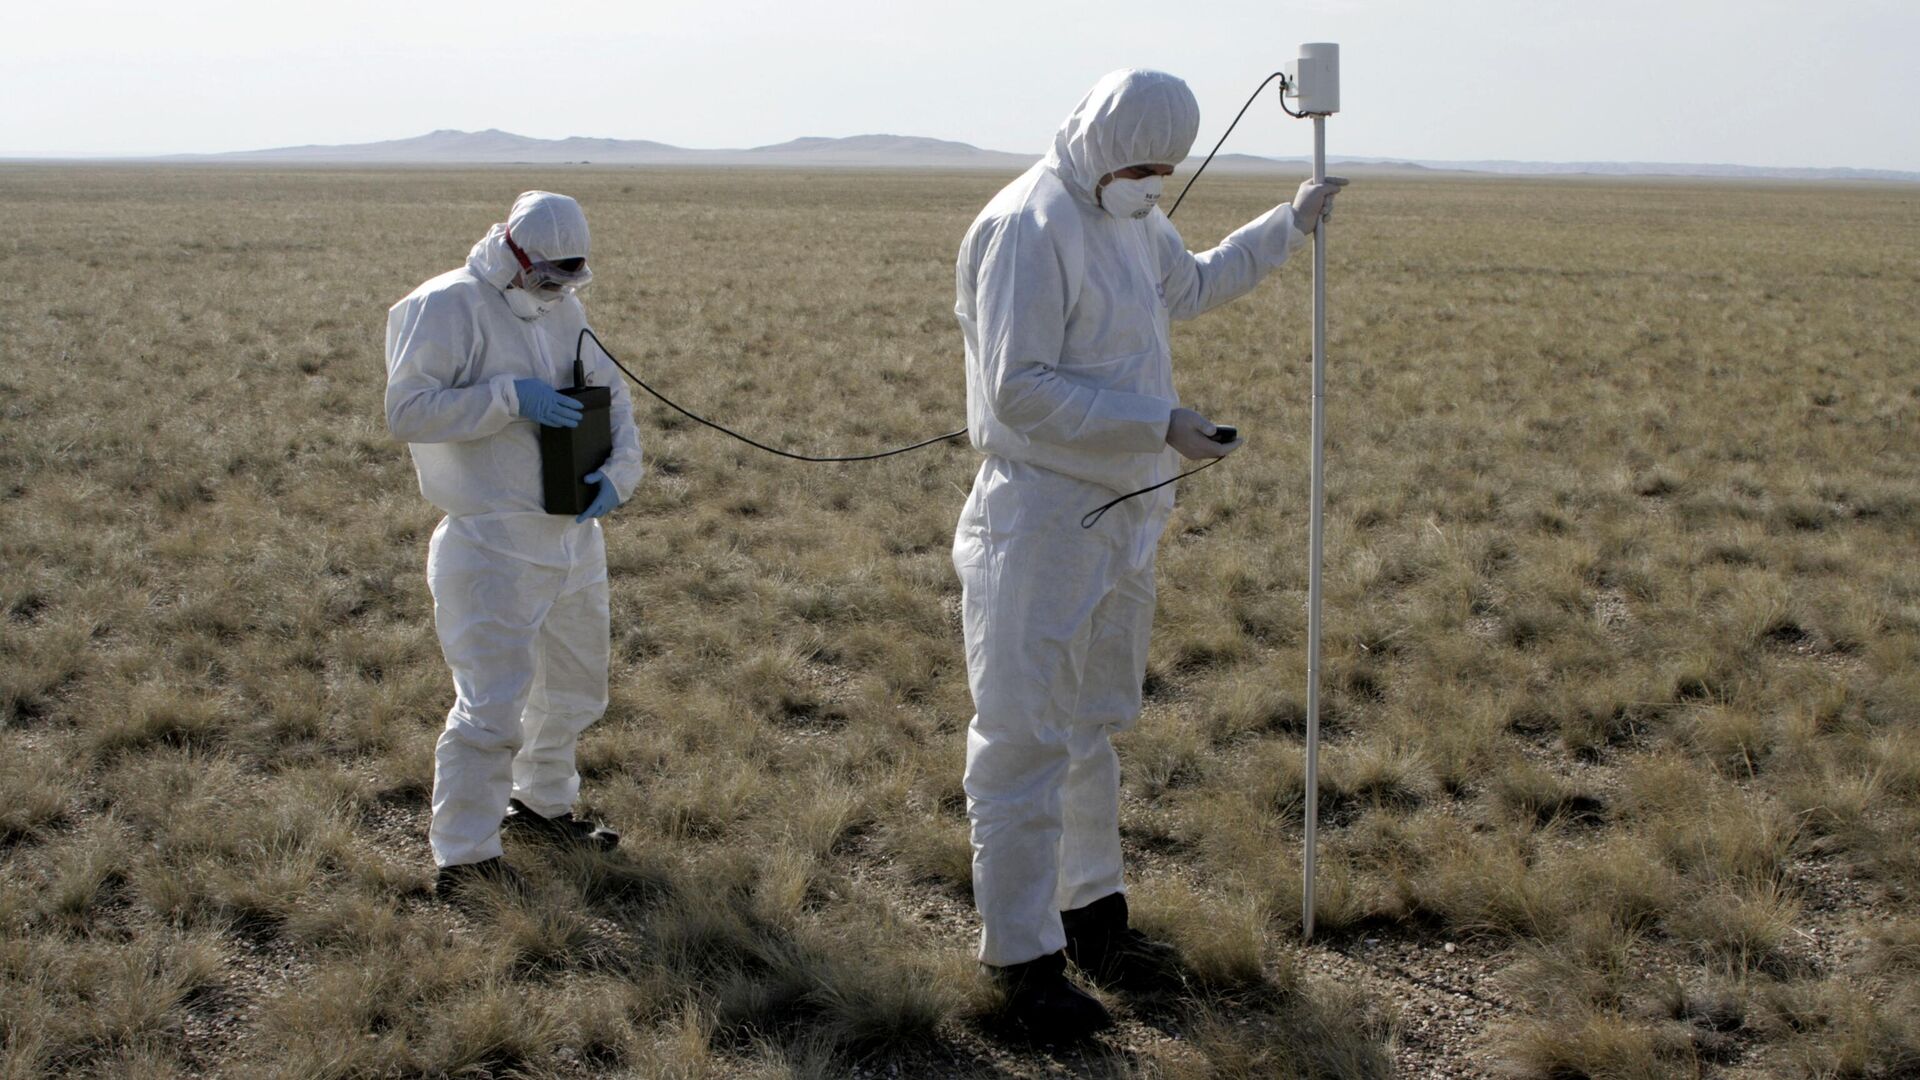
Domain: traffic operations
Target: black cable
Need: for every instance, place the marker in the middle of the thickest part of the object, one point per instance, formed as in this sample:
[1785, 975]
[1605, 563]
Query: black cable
[587, 332]
[1093, 517]
[1282, 76]
[1283, 100]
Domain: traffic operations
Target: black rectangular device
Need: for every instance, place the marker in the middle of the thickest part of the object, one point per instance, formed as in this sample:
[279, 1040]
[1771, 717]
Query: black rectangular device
[567, 455]
[1224, 433]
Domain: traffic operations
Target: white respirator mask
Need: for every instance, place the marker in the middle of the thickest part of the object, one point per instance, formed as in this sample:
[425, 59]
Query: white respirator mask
[530, 305]
[1125, 198]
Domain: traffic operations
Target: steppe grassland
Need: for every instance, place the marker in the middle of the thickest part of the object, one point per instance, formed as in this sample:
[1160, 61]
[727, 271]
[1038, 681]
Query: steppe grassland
[1623, 645]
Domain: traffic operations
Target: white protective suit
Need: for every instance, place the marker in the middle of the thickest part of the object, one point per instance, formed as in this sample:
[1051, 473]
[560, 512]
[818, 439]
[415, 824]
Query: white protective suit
[519, 596]
[1065, 313]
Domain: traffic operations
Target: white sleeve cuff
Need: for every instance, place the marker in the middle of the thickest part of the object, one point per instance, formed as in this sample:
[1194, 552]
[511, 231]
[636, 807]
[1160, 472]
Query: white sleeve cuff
[1271, 237]
[505, 395]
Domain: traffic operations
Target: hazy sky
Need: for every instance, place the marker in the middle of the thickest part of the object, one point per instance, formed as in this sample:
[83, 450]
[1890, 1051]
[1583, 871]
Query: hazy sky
[1758, 82]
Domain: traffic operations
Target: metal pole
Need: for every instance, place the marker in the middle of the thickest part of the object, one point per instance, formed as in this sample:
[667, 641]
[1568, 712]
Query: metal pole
[1316, 530]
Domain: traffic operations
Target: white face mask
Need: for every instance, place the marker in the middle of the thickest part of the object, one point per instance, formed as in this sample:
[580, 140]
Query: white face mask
[1131, 198]
[531, 306]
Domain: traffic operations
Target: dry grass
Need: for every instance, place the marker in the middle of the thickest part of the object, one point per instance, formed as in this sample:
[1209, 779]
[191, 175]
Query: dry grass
[1623, 650]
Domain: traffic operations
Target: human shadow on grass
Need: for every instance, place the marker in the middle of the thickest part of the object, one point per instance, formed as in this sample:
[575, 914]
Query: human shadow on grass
[823, 987]
[814, 993]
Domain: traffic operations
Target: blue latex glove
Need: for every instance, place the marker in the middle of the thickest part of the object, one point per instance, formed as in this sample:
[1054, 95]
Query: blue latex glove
[542, 404]
[604, 502]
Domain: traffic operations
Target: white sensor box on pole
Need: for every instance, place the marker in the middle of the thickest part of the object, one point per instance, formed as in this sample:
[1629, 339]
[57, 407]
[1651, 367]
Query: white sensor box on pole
[1313, 81]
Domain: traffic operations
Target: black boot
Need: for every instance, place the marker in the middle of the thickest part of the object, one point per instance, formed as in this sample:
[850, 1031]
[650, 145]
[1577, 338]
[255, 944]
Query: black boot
[561, 829]
[457, 883]
[1100, 943]
[1041, 1000]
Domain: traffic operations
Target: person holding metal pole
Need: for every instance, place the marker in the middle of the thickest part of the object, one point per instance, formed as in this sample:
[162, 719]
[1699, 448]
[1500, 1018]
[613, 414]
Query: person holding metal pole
[1066, 284]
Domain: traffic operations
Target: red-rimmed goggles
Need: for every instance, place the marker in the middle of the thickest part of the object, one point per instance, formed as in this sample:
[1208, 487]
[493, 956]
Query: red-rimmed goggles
[557, 274]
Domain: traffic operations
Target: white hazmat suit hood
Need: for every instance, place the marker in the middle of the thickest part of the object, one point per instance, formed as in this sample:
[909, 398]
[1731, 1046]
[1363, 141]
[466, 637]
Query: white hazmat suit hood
[1130, 117]
[545, 226]
[1065, 311]
[491, 261]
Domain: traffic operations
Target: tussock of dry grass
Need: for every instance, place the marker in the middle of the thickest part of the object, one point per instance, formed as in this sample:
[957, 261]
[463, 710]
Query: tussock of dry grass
[38, 798]
[1595, 1043]
[1834, 1030]
[1222, 941]
[1897, 945]
[1622, 653]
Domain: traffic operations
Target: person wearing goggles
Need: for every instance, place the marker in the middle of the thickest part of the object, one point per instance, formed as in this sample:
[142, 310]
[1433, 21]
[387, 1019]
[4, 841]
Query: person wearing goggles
[520, 596]
[547, 280]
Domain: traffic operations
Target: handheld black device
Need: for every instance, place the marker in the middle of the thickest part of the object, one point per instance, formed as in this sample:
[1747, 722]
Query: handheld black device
[1224, 433]
[567, 455]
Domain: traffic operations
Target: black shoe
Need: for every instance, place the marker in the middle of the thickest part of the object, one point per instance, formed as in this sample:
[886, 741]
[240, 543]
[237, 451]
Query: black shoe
[561, 829]
[1100, 943]
[1042, 1001]
[456, 883]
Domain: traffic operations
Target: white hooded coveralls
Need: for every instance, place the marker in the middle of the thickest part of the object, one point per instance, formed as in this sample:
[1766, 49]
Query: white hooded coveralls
[1065, 313]
[519, 595]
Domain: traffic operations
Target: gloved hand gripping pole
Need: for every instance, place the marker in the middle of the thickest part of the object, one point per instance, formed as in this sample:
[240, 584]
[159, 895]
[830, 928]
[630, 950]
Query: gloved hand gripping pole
[1314, 81]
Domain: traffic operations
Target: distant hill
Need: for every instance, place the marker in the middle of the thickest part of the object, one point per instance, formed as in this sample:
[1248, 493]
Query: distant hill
[491, 147]
[889, 150]
[502, 147]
